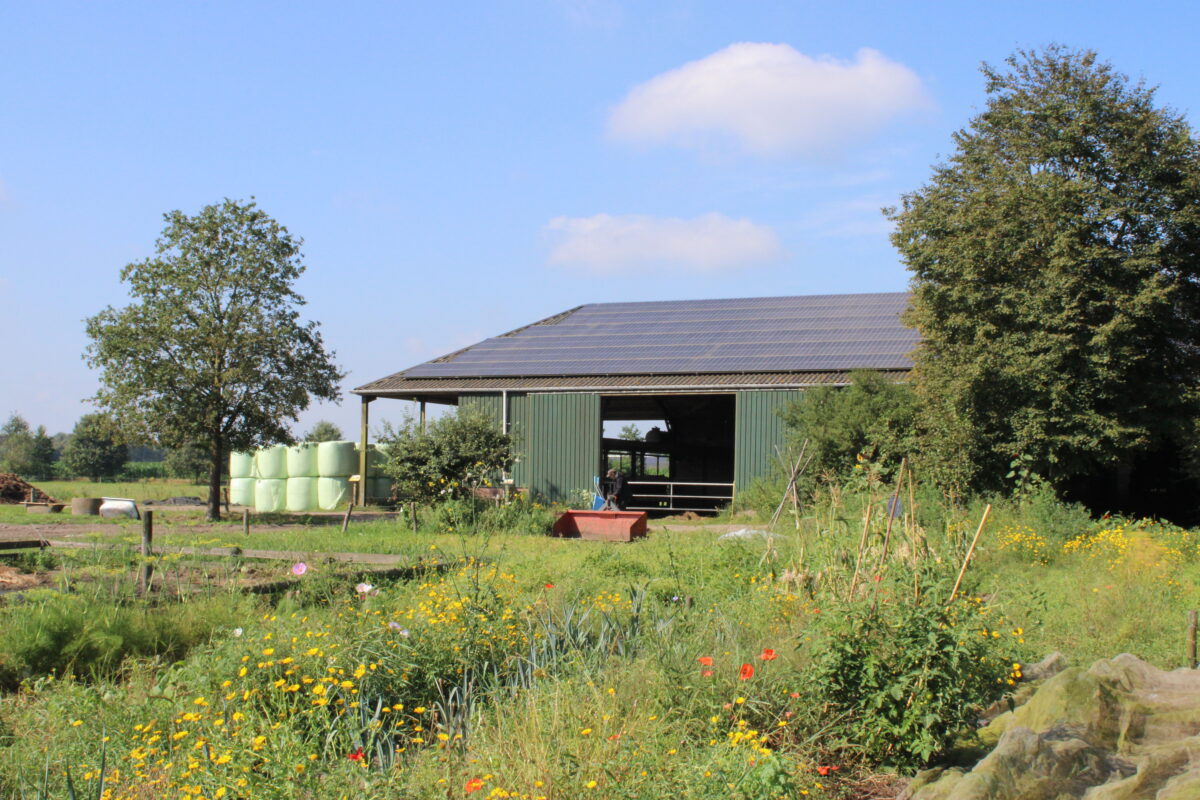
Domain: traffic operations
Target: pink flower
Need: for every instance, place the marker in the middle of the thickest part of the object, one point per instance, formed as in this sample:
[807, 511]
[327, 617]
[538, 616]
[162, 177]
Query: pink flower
[299, 568]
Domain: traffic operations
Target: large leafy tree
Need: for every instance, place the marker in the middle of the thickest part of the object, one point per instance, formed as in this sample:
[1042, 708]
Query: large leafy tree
[213, 349]
[1055, 263]
[93, 451]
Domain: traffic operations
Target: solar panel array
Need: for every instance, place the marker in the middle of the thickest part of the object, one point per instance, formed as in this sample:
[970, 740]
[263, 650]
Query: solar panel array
[766, 334]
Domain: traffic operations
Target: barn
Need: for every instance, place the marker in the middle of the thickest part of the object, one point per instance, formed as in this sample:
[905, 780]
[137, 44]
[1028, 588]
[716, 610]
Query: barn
[706, 377]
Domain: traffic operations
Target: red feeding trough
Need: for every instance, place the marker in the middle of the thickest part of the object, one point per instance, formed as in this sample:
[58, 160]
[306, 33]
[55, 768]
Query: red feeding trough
[603, 526]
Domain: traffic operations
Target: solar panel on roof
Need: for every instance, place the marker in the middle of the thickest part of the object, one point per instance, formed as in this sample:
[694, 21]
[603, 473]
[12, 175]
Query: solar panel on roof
[830, 332]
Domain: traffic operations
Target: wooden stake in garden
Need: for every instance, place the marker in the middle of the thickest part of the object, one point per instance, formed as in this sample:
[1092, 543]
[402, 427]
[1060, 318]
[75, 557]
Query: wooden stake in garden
[862, 545]
[147, 570]
[797, 468]
[246, 521]
[1191, 639]
[887, 536]
[970, 552]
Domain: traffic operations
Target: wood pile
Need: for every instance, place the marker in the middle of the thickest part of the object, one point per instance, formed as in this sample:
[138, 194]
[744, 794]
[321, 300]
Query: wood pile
[14, 490]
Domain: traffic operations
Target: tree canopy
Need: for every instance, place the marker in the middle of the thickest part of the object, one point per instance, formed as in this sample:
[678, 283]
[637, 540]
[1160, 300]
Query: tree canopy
[324, 431]
[1055, 262]
[24, 451]
[93, 451]
[213, 348]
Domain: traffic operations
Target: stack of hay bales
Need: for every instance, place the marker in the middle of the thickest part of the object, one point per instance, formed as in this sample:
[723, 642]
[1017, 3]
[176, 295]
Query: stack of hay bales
[241, 479]
[270, 489]
[304, 477]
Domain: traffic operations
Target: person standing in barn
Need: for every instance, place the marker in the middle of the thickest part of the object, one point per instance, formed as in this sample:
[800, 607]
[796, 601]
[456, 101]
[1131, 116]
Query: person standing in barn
[618, 492]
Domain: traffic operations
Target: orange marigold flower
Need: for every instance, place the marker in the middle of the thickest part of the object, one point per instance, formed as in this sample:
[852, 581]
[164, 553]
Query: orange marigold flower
[746, 672]
[473, 785]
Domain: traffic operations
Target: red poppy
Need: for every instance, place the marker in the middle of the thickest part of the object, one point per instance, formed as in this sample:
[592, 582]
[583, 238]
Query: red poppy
[824, 771]
[355, 755]
[705, 660]
[768, 654]
[549, 585]
[473, 785]
[707, 673]
[746, 672]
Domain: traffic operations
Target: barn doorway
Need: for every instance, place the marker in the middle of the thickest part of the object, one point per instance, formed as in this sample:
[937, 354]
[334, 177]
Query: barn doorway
[682, 456]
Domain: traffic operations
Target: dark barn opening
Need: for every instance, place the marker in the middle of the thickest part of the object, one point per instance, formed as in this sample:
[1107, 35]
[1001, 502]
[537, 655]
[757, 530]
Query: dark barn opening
[687, 465]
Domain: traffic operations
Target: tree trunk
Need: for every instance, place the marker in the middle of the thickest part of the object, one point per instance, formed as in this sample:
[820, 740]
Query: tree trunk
[217, 451]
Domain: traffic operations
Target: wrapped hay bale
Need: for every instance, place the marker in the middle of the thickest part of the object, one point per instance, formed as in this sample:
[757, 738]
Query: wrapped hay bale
[302, 494]
[302, 460]
[332, 493]
[241, 465]
[241, 491]
[270, 495]
[271, 462]
[337, 460]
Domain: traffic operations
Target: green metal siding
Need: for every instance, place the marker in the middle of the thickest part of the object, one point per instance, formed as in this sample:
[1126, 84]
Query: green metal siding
[560, 444]
[491, 405]
[758, 431]
[518, 413]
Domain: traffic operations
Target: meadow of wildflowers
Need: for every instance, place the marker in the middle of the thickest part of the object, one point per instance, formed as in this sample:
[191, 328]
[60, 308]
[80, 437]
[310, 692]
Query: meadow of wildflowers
[514, 665]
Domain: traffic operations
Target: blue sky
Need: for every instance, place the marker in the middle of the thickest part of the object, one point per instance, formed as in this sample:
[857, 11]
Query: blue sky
[458, 170]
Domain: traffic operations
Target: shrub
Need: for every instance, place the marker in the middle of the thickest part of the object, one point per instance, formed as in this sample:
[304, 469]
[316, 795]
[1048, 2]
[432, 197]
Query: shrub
[457, 453]
[906, 678]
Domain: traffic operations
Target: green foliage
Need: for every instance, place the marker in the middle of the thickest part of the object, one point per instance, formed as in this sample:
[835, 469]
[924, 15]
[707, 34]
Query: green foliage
[324, 431]
[906, 678]
[212, 349]
[59, 634]
[189, 461]
[1055, 266]
[630, 433]
[93, 450]
[24, 451]
[457, 452]
[871, 418]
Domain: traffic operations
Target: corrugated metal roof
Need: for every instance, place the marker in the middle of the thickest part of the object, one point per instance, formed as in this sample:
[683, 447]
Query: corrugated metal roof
[693, 338]
[399, 386]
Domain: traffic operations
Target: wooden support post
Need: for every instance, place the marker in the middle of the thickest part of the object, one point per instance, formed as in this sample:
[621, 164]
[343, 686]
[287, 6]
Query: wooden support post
[862, 545]
[422, 416]
[361, 490]
[246, 521]
[147, 570]
[1191, 643]
[970, 552]
[346, 518]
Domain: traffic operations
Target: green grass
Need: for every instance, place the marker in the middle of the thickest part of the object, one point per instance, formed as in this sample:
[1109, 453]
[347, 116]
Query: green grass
[571, 668]
[156, 489]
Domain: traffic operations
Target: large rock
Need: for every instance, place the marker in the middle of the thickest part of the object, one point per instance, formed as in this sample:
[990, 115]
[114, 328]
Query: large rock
[1122, 730]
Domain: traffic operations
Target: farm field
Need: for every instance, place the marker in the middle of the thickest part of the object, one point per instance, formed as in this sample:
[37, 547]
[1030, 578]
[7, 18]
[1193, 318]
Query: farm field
[502, 663]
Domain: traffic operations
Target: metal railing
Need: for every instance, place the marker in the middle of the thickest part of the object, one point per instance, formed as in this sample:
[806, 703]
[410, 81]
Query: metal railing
[679, 495]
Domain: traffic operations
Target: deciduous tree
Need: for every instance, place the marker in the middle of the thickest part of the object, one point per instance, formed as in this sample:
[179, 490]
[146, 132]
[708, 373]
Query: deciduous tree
[1055, 263]
[213, 348]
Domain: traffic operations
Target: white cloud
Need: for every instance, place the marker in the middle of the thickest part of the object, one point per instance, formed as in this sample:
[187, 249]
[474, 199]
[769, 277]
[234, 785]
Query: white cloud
[770, 99]
[708, 243]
